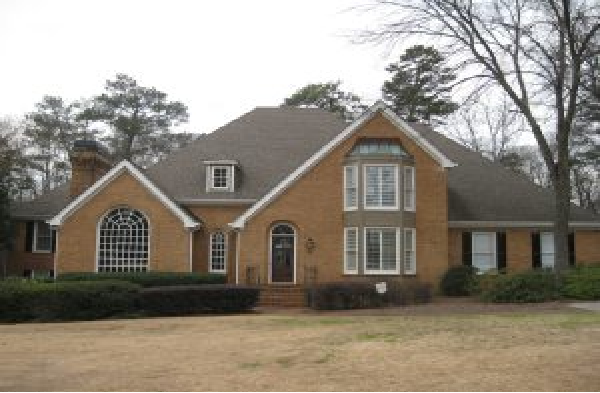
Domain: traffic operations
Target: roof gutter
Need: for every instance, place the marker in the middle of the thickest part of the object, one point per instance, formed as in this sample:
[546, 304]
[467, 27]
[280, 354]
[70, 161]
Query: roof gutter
[519, 224]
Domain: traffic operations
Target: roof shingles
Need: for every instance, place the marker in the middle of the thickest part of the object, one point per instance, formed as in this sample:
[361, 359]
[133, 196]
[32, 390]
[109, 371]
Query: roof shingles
[270, 143]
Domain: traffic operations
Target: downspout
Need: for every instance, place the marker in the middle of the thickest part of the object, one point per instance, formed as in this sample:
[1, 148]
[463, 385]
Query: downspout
[238, 241]
[191, 251]
[55, 264]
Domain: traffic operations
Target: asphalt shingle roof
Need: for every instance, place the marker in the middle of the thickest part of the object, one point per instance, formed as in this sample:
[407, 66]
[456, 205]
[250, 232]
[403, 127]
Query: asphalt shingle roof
[270, 143]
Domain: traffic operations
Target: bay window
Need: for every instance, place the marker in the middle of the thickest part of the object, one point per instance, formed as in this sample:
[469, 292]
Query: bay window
[381, 251]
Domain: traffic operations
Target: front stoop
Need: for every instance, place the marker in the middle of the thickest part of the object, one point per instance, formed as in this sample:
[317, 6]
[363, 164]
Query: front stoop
[282, 296]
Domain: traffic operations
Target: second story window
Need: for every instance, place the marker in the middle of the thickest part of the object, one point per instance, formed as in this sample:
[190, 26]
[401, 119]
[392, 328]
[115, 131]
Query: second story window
[220, 177]
[350, 187]
[409, 188]
[381, 187]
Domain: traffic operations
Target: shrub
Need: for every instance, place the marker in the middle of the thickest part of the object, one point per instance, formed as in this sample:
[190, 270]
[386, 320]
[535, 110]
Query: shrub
[23, 301]
[458, 281]
[190, 299]
[149, 279]
[582, 283]
[353, 295]
[529, 287]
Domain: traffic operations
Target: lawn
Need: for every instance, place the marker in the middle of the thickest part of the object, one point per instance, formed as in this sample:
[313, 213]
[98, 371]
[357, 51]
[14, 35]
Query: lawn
[553, 350]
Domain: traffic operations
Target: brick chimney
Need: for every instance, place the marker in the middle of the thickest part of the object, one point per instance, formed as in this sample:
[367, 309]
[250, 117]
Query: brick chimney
[89, 161]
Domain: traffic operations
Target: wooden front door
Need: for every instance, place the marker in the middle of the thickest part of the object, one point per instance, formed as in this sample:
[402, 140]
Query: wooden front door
[282, 254]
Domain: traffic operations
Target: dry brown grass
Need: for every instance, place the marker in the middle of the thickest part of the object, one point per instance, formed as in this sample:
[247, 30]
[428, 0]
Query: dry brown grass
[547, 351]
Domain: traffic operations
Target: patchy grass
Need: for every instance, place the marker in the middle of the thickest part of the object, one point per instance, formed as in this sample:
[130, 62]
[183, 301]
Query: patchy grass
[509, 351]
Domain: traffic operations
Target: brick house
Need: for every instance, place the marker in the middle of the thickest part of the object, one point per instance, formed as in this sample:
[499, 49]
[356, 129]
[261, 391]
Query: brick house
[292, 196]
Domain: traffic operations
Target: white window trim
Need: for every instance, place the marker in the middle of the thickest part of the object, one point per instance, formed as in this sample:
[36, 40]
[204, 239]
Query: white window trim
[398, 253]
[494, 236]
[413, 248]
[270, 262]
[346, 270]
[35, 238]
[410, 207]
[355, 172]
[542, 253]
[210, 254]
[364, 187]
[99, 226]
[229, 178]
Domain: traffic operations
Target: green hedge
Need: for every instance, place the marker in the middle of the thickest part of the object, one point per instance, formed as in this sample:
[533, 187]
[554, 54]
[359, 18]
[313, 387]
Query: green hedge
[25, 301]
[149, 279]
[345, 296]
[582, 283]
[458, 281]
[191, 299]
[529, 287]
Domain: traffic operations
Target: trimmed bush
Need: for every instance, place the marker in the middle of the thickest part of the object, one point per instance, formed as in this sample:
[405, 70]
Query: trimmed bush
[24, 301]
[529, 287]
[149, 279]
[582, 283]
[458, 281]
[191, 299]
[354, 295]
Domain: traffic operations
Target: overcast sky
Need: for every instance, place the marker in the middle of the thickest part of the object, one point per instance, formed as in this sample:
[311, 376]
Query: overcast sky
[220, 58]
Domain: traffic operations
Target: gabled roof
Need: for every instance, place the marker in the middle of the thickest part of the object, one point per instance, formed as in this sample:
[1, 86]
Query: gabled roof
[123, 166]
[378, 107]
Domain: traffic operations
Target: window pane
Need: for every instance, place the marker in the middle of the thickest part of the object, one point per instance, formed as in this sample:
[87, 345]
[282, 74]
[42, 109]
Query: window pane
[372, 186]
[351, 189]
[43, 236]
[220, 177]
[484, 251]
[217, 252]
[409, 251]
[123, 242]
[547, 249]
[373, 249]
[409, 188]
[484, 262]
[351, 249]
[388, 186]
[388, 249]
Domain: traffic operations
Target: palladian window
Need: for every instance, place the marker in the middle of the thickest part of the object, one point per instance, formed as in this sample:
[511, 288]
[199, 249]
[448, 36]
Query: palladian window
[123, 241]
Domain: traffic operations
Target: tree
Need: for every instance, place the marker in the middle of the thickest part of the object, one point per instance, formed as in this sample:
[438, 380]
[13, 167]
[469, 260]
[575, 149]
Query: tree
[327, 96]
[51, 130]
[13, 174]
[137, 115]
[492, 130]
[533, 50]
[420, 85]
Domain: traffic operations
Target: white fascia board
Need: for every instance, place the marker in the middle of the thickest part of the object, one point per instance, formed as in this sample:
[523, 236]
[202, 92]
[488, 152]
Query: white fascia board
[519, 224]
[221, 162]
[123, 166]
[319, 155]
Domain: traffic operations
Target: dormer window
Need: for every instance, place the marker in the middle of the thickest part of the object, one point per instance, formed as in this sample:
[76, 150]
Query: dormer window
[220, 178]
[220, 175]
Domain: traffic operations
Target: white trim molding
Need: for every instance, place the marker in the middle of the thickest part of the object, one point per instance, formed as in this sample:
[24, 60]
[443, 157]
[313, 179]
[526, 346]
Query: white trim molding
[378, 107]
[519, 224]
[116, 171]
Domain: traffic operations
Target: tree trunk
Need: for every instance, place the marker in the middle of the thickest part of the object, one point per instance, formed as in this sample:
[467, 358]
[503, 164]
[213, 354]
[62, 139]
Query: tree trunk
[562, 199]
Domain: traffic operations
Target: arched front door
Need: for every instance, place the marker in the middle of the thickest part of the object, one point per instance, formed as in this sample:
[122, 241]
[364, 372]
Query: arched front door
[283, 253]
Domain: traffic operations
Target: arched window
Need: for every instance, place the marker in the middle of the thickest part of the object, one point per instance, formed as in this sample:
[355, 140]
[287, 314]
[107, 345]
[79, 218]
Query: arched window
[218, 252]
[123, 241]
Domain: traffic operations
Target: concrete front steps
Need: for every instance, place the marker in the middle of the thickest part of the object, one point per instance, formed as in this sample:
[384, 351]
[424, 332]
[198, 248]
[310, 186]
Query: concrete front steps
[282, 296]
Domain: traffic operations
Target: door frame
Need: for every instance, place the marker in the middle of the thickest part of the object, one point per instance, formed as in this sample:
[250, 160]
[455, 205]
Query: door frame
[270, 261]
